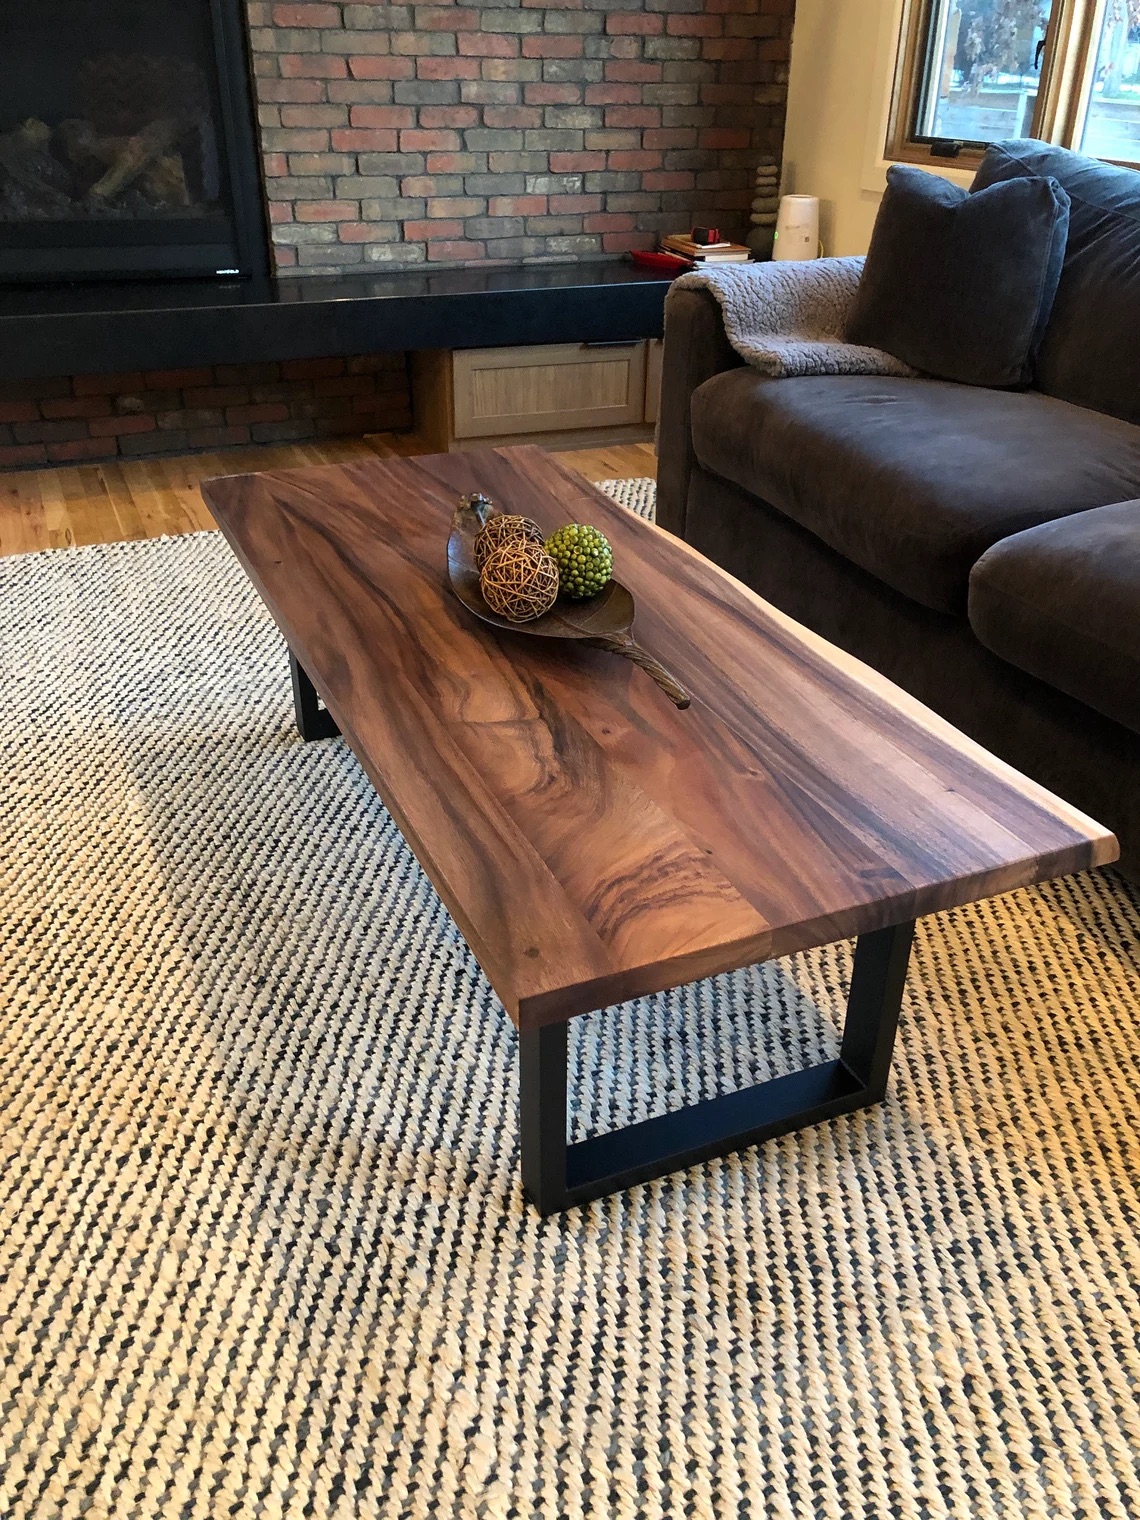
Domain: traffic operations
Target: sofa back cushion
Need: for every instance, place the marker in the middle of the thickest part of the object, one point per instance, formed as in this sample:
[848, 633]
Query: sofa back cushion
[961, 286]
[1090, 352]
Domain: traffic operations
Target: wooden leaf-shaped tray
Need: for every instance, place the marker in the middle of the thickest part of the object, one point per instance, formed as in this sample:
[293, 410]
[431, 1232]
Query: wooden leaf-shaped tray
[604, 621]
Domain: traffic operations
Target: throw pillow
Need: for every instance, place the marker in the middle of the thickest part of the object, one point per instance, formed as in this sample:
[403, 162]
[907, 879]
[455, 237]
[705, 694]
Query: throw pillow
[958, 284]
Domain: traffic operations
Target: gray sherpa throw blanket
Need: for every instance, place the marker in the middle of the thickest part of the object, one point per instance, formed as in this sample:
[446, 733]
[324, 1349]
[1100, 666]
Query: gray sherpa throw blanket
[788, 318]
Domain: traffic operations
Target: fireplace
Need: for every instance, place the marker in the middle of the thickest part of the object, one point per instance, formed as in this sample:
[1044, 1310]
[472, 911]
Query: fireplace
[127, 145]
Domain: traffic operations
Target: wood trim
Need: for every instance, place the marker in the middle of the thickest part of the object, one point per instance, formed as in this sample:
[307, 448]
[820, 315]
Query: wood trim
[1069, 63]
[1061, 96]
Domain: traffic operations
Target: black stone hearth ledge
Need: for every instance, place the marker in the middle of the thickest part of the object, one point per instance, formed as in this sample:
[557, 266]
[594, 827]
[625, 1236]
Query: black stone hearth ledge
[116, 328]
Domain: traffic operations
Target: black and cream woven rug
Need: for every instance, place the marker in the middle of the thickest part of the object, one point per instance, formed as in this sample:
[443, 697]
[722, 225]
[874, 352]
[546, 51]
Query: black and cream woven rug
[263, 1250]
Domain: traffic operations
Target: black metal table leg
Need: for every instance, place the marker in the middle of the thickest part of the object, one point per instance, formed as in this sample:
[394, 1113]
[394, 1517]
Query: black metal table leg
[557, 1175]
[313, 720]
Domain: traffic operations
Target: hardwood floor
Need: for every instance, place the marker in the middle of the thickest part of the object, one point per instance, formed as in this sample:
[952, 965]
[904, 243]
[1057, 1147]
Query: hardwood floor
[145, 498]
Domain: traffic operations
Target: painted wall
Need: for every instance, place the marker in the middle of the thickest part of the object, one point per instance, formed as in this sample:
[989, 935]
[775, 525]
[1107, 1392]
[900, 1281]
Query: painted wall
[843, 57]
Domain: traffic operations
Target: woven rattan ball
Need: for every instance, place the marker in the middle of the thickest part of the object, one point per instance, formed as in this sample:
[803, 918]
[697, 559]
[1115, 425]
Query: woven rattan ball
[500, 530]
[519, 581]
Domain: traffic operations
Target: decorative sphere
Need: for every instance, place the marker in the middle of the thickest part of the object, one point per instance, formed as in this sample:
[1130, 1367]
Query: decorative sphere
[519, 580]
[500, 530]
[584, 558]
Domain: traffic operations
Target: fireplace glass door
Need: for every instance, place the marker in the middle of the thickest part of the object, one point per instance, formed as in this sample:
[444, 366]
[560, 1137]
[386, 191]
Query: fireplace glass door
[126, 140]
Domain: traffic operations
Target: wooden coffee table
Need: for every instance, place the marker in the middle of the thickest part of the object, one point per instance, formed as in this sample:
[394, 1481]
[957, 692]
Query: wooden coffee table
[594, 843]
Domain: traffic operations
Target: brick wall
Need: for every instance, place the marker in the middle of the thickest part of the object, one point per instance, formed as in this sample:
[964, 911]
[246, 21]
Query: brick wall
[100, 417]
[397, 135]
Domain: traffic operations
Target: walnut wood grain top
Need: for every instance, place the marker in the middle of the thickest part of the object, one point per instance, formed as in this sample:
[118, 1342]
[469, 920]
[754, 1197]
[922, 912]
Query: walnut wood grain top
[593, 842]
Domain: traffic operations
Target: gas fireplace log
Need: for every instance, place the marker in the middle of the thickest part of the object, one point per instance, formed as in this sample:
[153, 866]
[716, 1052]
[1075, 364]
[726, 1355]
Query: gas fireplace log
[138, 154]
[26, 159]
[90, 155]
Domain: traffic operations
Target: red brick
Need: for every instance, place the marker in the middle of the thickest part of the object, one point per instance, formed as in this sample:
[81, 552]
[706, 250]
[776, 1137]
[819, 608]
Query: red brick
[512, 116]
[362, 232]
[629, 72]
[695, 26]
[562, 205]
[276, 165]
[668, 179]
[418, 232]
[731, 49]
[296, 91]
[632, 22]
[312, 66]
[49, 432]
[622, 242]
[669, 137]
[264, 373]
[382, 116]
[576, 163]
[108, 385]
[368, 66]
[301, 141]
[215, 395]
[552, 47]
[446, 18]
[312, 116]
[218, 437]
[517, 205]
[344, 385]
[267, 412]
[609, 221]
[613, 95]
[280, 211]
[552, 94]
[633, 116]
[175, 379]
[73, 406]
[448, 163]
[79, 449]
[327, 211]
[724, 137]
[455, 251]
[488, 45]
[306, 15]
[20, 411]
[312, 369]
[449, 116]
[447, 68]
[634, 158]
[426, 142]
[105, 427]
[360, 140]
[26, 453]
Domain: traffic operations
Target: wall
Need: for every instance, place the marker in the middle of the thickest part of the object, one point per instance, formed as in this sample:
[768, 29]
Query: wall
[838, 98]
[92, 417]
[401, 135]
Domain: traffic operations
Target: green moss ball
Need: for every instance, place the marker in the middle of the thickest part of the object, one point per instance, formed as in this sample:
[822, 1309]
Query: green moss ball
[584, 558]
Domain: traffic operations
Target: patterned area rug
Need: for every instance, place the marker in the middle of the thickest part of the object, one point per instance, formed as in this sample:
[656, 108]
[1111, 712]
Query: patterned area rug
[263, 1250]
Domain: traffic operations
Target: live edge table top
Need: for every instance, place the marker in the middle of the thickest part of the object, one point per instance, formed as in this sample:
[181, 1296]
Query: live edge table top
[592, 842]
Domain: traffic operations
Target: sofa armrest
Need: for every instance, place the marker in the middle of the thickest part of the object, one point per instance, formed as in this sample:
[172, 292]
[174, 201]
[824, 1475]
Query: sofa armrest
[695, 349]
[784, 319]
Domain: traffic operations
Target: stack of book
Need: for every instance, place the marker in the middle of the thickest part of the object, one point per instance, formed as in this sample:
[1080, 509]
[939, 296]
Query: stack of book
[681, 244]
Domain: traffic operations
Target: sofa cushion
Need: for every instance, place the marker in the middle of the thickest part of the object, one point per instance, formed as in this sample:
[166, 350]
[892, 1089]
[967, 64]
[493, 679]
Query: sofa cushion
[961, 285]
[1062, 602]
[911, 479]
[1090, 352]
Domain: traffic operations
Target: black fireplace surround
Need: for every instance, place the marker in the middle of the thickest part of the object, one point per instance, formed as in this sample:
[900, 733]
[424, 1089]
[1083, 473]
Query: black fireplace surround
[127, 141]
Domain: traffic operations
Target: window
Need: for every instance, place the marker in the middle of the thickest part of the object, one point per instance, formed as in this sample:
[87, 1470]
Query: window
[973, 71]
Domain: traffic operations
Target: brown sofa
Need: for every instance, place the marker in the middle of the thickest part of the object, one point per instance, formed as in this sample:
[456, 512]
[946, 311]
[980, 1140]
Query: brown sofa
[980, 547]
